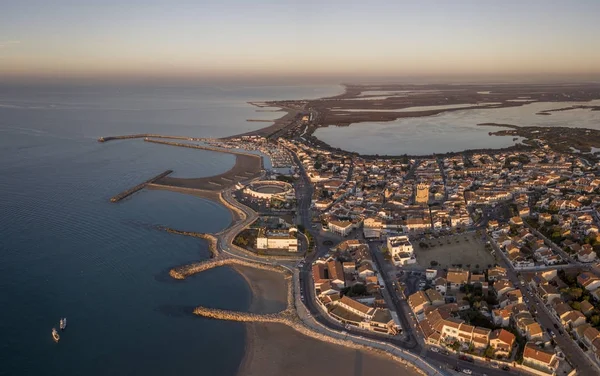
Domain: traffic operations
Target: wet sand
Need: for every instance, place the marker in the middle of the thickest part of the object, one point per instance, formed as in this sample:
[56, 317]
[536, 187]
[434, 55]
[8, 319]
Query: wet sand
[276, 349]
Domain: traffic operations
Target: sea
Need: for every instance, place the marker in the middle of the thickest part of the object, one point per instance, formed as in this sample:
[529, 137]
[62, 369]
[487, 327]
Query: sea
[66, 251]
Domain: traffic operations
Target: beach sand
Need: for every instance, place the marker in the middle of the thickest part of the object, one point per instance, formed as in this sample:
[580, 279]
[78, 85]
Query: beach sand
[269, 289]
[276, 349]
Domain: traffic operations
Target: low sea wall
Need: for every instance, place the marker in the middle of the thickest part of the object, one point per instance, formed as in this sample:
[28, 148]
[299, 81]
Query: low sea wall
[138, 187]
[143, 135]
[221, 314]
[212, 240]
[184, 271]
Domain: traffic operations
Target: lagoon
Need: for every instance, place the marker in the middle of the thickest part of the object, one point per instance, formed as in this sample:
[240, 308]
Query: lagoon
[453, 131]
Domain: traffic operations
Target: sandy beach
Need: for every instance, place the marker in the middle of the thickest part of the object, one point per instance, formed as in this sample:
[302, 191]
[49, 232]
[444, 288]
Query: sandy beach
[269, 289]
[276, 349]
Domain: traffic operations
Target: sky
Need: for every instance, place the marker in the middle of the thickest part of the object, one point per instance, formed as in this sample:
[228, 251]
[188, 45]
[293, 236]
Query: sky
[131, 39]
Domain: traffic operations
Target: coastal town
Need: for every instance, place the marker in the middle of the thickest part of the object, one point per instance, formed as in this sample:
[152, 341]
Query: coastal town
[479, 262]
[489, 259]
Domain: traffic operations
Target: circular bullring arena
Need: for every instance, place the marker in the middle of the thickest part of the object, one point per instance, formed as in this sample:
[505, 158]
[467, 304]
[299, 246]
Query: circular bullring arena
[266, 189]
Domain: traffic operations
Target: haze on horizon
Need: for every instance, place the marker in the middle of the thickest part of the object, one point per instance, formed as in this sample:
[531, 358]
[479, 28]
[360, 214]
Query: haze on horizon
[133, 39]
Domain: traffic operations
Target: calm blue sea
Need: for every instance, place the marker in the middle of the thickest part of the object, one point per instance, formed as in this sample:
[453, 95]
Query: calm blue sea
[66, 251]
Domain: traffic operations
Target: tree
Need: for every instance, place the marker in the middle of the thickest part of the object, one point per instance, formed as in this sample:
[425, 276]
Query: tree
[595, 320]
[575, 292]
[576, 306]
[489, 352]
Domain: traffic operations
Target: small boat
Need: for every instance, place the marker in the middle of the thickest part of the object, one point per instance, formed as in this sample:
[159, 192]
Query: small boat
[55, 335]
[63, 323]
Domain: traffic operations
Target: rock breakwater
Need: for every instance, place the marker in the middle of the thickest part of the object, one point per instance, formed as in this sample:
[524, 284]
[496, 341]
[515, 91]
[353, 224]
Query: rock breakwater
[138, 187]
[212, 240]
[184, 271]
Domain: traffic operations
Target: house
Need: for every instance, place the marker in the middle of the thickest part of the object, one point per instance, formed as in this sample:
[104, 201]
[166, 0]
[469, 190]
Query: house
[382, 322]
[478, 279]
[480, 337]
[455, 330]
[589, 335]
[349, 267]
[418, 301]
[517, 221]
[534, 331]
[366, 270]
[457, 278]
[463, 305]
[442, 283]
[586, 254]
[430, 274]
[336, 273]
[434, 297]
[502, 287]
[548, 292]
[319, 274]
[573, 319]
[539, 359]
[496, 273]
[354, 308]
[588, 281]
[502, 317]
[586, 308]
[502, 342]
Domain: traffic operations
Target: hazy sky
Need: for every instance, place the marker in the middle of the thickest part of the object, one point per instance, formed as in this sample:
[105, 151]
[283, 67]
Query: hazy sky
[131, 38]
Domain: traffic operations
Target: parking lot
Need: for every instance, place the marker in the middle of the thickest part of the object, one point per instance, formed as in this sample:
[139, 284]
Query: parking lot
[466, 250]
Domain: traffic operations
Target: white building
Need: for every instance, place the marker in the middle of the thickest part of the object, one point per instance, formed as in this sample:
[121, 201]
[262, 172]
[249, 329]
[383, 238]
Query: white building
[401, 250]
[277, 239]
[342, 228]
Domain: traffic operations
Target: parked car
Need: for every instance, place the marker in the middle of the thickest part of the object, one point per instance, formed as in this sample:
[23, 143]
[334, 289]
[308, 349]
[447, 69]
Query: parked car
[505, 368]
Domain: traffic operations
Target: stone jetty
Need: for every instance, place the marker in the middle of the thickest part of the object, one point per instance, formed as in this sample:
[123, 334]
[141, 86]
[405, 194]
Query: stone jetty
[144, 135]
[184, 271]
[131, 191]
[212, 240]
